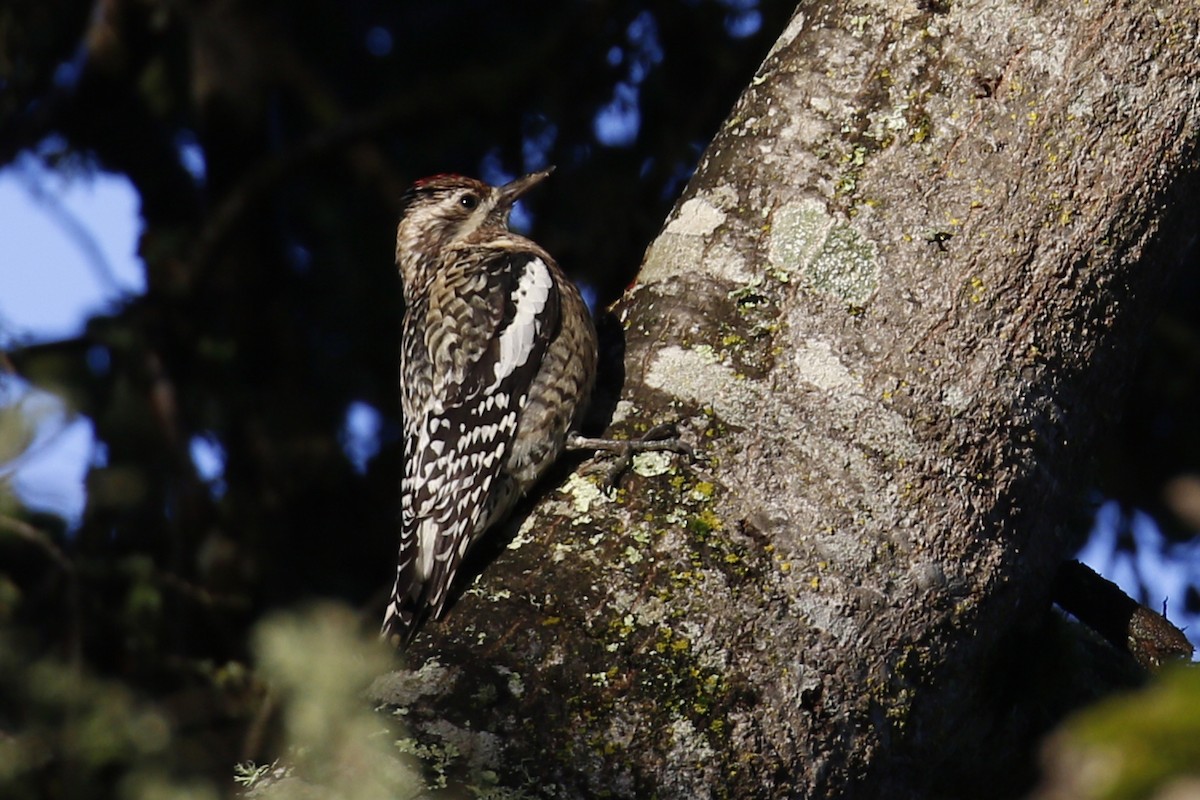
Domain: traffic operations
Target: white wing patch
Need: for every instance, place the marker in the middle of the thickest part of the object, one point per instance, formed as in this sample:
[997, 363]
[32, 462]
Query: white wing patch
[516, 341]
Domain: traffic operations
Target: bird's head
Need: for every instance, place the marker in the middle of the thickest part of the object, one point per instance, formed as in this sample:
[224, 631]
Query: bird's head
[445, 210]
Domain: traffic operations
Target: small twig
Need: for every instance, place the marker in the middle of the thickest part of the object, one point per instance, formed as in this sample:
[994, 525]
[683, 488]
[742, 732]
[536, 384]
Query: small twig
[43, 542]
[39, 538]
[256, 731]
[1128, 625]
[199, 594]
[73, 228]
[35, 447]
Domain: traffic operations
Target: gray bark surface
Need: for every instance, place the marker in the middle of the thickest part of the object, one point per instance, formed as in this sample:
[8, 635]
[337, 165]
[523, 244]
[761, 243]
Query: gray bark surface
[894, 308]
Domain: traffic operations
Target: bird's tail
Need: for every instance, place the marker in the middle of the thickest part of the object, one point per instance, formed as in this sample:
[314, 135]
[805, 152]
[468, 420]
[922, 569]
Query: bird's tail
[406, 609]
[424, 577]
[405, 613]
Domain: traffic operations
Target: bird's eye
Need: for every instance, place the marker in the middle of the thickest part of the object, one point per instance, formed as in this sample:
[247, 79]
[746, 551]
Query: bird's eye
[469, 202]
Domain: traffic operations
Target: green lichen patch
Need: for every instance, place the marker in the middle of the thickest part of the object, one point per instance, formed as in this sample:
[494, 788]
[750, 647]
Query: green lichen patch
[711, 549]
[746, 333]
[698, 544]
[833, 258]
[736, 330]
[845, 267]
[436, 758]
[452, 735]
[796, 234]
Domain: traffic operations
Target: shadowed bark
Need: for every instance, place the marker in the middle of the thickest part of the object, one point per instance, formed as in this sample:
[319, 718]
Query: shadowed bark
[893, 309]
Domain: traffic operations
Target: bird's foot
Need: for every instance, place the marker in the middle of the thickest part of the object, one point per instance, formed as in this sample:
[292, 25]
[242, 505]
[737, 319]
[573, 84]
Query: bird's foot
[663, 437]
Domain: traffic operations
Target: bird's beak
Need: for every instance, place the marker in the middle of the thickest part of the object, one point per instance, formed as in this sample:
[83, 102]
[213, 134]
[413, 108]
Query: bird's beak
[511, 192]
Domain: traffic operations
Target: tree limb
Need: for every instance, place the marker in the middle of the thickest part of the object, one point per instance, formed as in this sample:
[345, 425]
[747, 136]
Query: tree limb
[899, 429]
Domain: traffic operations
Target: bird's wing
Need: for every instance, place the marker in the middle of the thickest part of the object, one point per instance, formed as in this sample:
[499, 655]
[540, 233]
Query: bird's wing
[456, 449]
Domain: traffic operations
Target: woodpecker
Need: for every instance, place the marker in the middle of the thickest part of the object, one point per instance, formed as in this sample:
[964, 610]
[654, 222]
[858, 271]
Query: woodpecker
[497, 362]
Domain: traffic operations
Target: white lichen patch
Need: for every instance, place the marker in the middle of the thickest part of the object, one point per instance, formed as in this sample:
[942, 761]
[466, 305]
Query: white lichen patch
[833, 257]
[481, 749]
[650, 613]
[723, 260]
[583, 494]
[694, 374]
[516, 687]
[653, 463]
[524, 533]
[696, 217]
[888, 122]
[680, 248]
[561, 552]
[622, 412]
[822, 368]
[708, 655]
[828, 616]
[805, 130]
[687, 745]
[1081, 106]
[955, 398]
[789, 34]
[671, 255]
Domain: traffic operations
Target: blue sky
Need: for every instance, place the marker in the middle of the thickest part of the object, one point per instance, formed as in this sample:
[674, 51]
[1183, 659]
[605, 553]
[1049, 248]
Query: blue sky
[69, 251]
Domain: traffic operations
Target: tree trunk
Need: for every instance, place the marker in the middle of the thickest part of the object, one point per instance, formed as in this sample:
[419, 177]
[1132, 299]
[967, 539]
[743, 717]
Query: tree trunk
[893, 307]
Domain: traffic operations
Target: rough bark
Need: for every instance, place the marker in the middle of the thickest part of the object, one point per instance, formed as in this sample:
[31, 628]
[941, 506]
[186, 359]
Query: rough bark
[894, 308]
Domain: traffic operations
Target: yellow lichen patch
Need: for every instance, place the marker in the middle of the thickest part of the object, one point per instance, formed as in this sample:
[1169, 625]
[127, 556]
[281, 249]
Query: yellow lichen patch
[977, 289]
